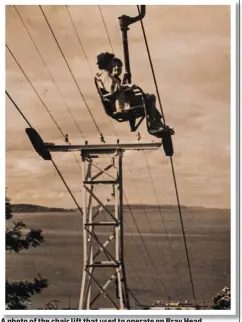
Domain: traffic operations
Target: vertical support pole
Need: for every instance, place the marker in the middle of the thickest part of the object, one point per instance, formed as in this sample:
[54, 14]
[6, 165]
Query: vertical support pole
[89, 239]
[121, 219]
[85, 297]
[84, 219]
[127, 75]
[117, 242]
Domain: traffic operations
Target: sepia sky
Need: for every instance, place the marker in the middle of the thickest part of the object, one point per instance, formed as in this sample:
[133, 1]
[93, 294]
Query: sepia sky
[190, 50]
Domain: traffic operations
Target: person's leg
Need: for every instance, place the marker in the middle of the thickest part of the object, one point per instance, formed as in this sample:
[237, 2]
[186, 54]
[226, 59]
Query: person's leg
[154, 116]
[155, 125]
[120, 103]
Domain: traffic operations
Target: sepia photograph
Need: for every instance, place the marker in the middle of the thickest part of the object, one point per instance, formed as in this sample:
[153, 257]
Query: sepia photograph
[118, 157]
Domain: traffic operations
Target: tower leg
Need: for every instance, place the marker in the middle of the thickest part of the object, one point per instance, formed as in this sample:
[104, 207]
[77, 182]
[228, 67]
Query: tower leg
[95, 250]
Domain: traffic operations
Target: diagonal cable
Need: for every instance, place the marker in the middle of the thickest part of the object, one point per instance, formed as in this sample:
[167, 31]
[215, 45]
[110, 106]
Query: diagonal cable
[145, 247]
[67, 187]
[58, 171]
[52, 117]
[48, 111]
[151, 65]
[183, 230]
[85, 55]
[54, 164]
[172, 166]
[145, 213]
[52, 78]
[106, 29]
[18, 109]
[162, 219]
[68, 66]
[142, 240]
[79, 39]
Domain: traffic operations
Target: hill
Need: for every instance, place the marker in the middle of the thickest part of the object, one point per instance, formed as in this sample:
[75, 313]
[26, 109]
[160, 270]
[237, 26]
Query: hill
[28, 208]
[25, 208]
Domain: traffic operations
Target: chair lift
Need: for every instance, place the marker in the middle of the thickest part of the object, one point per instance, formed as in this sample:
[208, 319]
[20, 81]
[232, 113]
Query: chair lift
[137, 98]
[137, 106]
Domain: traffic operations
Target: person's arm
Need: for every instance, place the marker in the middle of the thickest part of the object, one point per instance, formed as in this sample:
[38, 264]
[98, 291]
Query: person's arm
[108, 83]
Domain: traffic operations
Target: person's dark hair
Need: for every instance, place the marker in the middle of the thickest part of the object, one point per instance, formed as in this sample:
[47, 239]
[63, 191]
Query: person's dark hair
[104, 60]
[117, 61]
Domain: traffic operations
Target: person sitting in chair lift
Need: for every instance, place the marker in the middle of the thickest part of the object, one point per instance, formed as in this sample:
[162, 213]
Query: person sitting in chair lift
[110, 82]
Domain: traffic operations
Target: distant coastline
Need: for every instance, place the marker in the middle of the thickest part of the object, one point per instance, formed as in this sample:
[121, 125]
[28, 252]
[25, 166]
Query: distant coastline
[21, 208]
[29, 208]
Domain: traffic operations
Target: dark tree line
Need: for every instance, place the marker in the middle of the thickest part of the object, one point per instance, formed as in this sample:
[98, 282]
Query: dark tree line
[20, 237]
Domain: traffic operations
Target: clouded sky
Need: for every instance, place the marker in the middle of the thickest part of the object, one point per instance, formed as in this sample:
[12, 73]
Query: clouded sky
[190, 49]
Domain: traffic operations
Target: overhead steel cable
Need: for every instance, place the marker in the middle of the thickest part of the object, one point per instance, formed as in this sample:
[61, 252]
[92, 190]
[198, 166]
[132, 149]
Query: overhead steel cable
[110, 43]
[105, 218]
[80, 42]
[153, 237]
[183, 230]
[52, 117]
[172, 166]
[84, 52]
[143, 243]
[48, 111]
[141, 258]
[68, 66]
[18, 109]
[104, 23]
[162, 219]
[144, 211]
[79, 39]
[67, 187]
[145, 247]
[130, 262]
[52, 78]
[135, 298]
[151, 65]
[129, 207]
[107, 33]
[164, 121]
[55, 166]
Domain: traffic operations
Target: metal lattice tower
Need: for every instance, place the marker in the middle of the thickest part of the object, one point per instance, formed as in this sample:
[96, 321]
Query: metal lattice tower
[103, 251]
[98, 256]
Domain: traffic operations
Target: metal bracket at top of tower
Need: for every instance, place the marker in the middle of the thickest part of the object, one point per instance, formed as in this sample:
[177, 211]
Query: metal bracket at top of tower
[44, 149]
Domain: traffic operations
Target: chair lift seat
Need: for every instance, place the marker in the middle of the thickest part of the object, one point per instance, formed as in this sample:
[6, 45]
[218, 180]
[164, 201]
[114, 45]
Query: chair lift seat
[136, 102]
[138, 109]
[132, 112]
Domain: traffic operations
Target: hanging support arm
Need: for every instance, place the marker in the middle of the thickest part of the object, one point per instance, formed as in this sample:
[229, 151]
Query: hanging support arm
[124, 22]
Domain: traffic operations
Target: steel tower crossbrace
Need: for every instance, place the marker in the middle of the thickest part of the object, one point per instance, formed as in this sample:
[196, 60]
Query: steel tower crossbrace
[92, 263]
[94, 248]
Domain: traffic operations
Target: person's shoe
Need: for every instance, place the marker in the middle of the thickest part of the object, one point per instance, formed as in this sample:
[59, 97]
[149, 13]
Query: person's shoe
[157, 130]
[161, 132]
